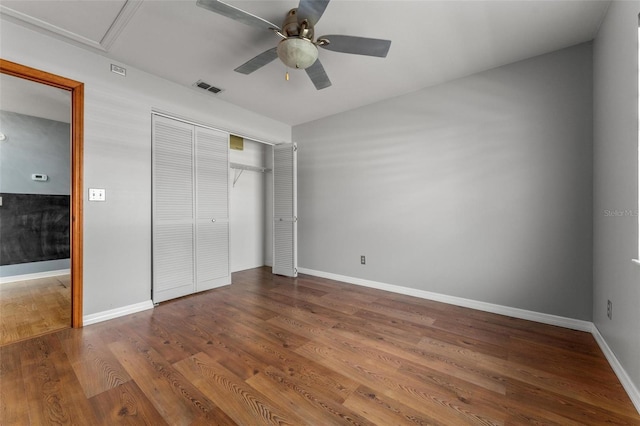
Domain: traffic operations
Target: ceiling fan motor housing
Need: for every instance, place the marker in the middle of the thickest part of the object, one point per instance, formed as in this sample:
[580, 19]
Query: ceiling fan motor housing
[291, 27]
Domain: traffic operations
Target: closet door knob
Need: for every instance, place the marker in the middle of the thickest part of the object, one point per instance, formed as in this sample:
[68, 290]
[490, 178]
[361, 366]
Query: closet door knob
[213, 220]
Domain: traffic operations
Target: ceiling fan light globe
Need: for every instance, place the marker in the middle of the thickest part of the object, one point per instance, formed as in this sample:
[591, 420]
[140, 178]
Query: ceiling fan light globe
[297, 53]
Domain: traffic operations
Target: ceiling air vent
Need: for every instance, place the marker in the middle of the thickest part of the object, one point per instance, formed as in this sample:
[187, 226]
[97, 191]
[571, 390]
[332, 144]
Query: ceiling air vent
[206, 86]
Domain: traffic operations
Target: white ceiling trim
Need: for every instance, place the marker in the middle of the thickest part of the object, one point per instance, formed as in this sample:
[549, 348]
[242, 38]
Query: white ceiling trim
[115, 29]
[126, 13]
[35, 22]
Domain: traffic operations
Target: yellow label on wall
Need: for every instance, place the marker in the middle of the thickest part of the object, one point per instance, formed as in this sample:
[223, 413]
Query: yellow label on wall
[236, 142]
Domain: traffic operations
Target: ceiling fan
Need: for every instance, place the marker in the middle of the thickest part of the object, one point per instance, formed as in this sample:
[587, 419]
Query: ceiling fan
[298, 48]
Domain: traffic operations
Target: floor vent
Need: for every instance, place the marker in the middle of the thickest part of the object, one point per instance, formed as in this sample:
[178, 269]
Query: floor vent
[206, 86]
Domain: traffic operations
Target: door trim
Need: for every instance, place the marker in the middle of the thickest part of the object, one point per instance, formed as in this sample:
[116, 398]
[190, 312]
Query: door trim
[77, 155]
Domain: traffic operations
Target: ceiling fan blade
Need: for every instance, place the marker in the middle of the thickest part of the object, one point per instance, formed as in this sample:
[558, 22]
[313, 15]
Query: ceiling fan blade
[318, 76]
[258, 62]
[236, 14]
[311, 10]
[357, 45]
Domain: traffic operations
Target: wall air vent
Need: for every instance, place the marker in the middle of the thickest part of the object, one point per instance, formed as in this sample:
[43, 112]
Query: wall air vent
[206, 86]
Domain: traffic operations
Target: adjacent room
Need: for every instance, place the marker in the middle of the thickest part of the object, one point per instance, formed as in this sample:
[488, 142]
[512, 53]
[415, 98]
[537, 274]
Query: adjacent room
[35, 186]
[319, 212]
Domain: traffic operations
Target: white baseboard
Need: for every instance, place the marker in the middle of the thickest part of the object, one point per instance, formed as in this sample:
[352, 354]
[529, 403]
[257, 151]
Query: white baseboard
[574, 324]
[571, 323]
[34, 276]
[625, 380]
[115, 313]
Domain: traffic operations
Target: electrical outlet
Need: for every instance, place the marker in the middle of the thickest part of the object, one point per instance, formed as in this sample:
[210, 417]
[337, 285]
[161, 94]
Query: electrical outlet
[363, 260]
[609, 309]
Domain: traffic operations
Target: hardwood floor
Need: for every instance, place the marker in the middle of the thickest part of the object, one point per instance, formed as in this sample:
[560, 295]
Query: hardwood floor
[34, 307]
[275, 350]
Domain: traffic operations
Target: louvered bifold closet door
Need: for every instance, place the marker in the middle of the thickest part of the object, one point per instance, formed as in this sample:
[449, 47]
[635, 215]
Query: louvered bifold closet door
[212, 209]
[285, 256]
[173, 207]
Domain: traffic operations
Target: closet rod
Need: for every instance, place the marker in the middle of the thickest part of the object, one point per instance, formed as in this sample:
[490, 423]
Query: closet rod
[247, 167]
[243, 167]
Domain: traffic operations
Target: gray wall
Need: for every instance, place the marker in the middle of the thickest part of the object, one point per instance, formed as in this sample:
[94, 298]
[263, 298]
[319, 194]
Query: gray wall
[117, 156]
[480, 188]
[616, 184]
[34, 268]
[34, 145]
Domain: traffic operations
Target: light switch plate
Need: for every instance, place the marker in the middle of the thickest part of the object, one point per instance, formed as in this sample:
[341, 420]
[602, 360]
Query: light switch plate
[97, 194]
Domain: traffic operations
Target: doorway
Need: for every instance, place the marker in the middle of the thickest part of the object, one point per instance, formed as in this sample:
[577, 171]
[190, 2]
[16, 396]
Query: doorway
[76, 90]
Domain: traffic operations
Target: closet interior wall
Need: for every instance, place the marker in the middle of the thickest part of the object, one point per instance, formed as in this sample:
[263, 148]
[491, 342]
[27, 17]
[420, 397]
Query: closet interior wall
[251, 207]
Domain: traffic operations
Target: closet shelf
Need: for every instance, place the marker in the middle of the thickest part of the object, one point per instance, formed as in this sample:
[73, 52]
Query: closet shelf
[247, 167]
[243, 167]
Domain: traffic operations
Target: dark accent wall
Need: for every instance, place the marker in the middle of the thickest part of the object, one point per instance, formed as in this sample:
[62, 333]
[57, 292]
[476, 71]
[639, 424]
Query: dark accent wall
[34, 145]
[33, 228]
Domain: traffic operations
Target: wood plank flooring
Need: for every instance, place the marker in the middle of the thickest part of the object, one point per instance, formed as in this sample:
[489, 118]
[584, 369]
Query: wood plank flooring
[34, 307]
[310, 351]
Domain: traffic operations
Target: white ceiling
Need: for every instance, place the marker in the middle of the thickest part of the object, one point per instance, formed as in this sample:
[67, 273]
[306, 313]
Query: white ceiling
[432, 42]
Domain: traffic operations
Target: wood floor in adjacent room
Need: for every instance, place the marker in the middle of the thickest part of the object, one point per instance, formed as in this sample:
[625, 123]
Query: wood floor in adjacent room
[275, 350]
[34, 307]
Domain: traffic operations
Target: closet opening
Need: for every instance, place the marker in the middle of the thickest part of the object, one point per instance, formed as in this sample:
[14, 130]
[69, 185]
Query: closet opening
[250, 204]
[220, 204]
